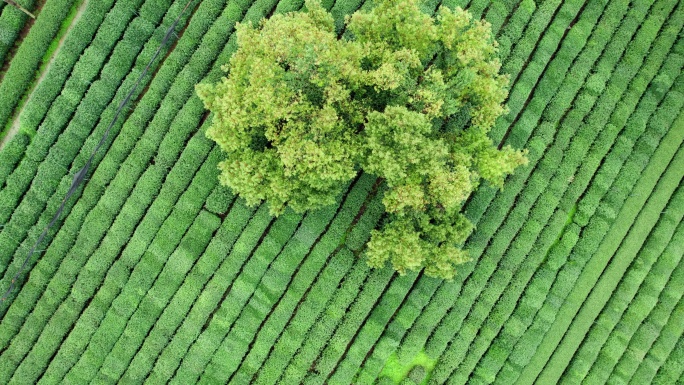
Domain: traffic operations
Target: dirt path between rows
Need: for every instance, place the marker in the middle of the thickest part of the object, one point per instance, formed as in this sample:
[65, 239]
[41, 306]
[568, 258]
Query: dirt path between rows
[15, 124]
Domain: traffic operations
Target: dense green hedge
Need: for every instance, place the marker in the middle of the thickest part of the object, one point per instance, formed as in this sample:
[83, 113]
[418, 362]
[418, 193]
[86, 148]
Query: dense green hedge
[218, 340]
[673, 322]
[281, 274]
[12, 21]
[145, 56]
[611, 315]
[501, 206]
[140, 261]
[643, 303]
[184, 173]
[599, 227]
[308, 356]
[356, 314]
[288, 338]
[305, 276]
[663, 363]
[48, 174]
[524, 241]
[567, 278]
[586, 104]
[29, 56]
[409, 349]
[100, 227]
[368, 334]
[158, 297]
[201, 345]
[227, 262]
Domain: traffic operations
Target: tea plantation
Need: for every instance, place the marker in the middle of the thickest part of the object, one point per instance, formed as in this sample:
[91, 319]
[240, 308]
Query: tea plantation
[154, 273]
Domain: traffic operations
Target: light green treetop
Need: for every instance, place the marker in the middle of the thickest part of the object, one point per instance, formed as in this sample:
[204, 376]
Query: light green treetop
[407, 97]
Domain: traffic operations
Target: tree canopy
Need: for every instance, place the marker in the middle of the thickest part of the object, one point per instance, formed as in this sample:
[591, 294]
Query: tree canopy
[403, 95]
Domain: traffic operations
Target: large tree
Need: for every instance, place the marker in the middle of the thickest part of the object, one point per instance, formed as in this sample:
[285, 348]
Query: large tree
[404, 96]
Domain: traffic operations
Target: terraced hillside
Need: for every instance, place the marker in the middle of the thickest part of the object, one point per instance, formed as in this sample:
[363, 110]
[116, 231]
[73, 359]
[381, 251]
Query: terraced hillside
[155, 273]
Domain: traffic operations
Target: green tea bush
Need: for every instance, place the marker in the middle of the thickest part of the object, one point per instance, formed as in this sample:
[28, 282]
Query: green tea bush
[303, 320]
[321, 331]
[29, 55]
[346, 331]
[63, 150]
[12, 21]
[149, 261]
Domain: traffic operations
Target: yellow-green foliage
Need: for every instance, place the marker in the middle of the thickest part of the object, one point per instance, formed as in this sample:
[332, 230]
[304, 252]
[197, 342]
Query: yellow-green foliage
[301, 112]
[418, 369]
